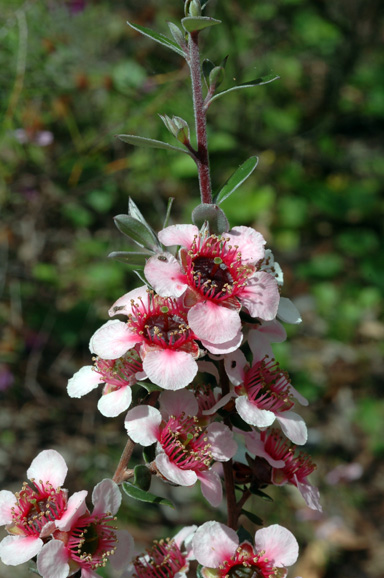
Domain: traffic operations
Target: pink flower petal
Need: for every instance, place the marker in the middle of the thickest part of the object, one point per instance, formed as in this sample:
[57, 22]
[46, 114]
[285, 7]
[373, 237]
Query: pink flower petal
[250, 243]
[223, 446]
[178, 235]
[52, 562]
[220, 403]
[76, 507]
[310, 494]
[113, 339]
[15, 550]
[106, 497]
[48, 466]
[261, 296]
[142, 424]
[214, 323]
[84, 381]
[165, 275]
[114, 403]
[178, 402]
[252, 415]
[170, 369]
[213, 543]
[174, 474]
[256, 446]
[124, 551]
[123, 306]
[211, 487]
[209, 367]
[223, 348]
[7, 501]
[184, 535]
[288, 312]
[279, 544]
[293, 426]
[235, 364]
[297, 395]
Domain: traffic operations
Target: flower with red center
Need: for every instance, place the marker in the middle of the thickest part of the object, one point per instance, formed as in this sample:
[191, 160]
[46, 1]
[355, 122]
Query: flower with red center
[118, 375]
[264, 391]
[88, 540]
[218, 276]
[166, 559]
[159, 325]
[287, 465]
[216, 547]
[186, 451]
[32, 514]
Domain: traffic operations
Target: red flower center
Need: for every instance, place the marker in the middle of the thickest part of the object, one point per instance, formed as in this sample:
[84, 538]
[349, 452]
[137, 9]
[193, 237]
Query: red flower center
[163, 560]
[186, 443]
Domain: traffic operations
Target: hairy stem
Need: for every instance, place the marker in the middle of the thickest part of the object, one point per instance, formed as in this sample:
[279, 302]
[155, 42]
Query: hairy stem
[120, 474]
[201, 158]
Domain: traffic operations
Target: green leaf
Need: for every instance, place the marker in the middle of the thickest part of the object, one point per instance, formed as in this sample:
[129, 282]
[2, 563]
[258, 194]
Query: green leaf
[142, 477]
[256, 492]
[142, 496]
[168, 213]
[196, 23]
[238, 422]
[158, 37]
[134, 211]
[258, 82]
[141, 234]
[244, 535]
[151, 143]
[207, 68]
[255, 519]
[198, 571]
[218, 222]
[150, 386]
[136, 259]
[149, 453]
[239, 176]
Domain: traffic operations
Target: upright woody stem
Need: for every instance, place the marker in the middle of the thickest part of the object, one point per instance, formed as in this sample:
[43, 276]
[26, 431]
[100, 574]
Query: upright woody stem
[202, 157]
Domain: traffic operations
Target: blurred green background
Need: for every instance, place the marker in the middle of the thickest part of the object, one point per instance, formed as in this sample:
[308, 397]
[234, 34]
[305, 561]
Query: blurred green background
[72, 76]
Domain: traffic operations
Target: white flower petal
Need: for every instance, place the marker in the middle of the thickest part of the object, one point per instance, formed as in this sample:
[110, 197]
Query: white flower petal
[106, 497]
[279, 544]
[114, 403]
[288, 312]
[84, 381]
[213, 543]
[48, 466]
[142, 424]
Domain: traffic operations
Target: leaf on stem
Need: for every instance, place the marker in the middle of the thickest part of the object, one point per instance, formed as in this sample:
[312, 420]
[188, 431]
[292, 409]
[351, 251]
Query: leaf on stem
[244, 535]
[207, 68]
[258, 82]
[168, 213]
[197, 23]
[256, 492]
[151, 143]
[142, 477]
[158, 37]
[149, 453]
[255, 519]
[138, 232]
[136, 259]
[138, 494]
[239, 176]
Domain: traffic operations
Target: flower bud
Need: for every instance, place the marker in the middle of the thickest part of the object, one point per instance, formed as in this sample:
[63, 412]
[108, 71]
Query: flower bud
[178, 127]
[192, 8]
[216, 76]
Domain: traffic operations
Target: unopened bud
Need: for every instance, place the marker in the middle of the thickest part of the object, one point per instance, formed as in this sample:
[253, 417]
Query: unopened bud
[192, 8]
[178, 127]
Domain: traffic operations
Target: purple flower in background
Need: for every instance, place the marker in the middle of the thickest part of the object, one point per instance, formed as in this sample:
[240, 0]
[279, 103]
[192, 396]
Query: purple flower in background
[6, 377]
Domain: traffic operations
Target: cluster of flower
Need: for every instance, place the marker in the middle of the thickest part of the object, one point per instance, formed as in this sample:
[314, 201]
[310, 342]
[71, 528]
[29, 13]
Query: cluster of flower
[204, 300]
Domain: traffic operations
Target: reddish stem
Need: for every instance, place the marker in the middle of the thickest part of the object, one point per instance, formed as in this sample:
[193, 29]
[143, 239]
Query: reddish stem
[120, 474]
[201, 157]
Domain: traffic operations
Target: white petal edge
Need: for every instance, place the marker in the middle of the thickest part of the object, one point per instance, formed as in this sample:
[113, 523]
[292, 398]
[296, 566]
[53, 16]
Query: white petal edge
[48, 466]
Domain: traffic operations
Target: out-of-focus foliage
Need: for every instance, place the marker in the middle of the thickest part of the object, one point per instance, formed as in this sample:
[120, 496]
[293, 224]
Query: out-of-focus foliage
[73, 75]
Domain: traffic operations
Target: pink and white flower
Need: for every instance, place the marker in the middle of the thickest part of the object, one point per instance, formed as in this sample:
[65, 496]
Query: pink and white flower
[87, 541]
[264, 391]
[159, 326]
[31, 515]
[117, 375]
[217, 276]
[287, 465]
[186, 451]
[216, 547]
[167, 558]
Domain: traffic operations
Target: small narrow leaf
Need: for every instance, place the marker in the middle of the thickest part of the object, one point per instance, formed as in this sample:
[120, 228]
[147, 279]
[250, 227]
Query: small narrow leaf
[238, 422]
[150, 386]
[178, 35]
[141, 234]
[130, 258]
[196, 23]
[168, 214]
[198, 571]
[256, 492]
[134, 211]
[239, 176]
[151, 143]
[255, 519]
[142, 477]
[142, 496]
[158, 37]
[218, 222]
[251, 84]
[244, 535]
[149, 453]
[207, 67]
